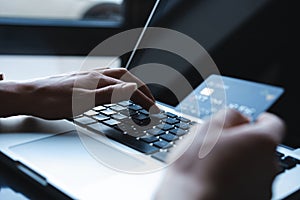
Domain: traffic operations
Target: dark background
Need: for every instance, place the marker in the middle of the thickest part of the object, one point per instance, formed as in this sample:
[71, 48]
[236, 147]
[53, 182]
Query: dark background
[250, 39]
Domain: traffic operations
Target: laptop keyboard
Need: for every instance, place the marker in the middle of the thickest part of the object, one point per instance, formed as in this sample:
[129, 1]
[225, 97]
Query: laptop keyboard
[286, 162]
[151, 134]
[133, 126]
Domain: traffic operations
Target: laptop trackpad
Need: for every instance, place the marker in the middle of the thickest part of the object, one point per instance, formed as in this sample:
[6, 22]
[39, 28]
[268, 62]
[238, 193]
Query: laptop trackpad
[64, 157]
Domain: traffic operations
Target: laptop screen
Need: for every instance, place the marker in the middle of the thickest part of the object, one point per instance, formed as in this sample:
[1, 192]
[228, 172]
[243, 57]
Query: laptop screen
[158, 57]
[170, 62]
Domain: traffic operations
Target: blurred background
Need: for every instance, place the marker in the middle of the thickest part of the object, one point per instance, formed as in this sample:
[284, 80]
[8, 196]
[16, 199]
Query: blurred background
[50, 9]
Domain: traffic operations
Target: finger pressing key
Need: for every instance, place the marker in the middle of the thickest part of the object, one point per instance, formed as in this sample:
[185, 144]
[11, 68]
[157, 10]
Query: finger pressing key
[124, 75]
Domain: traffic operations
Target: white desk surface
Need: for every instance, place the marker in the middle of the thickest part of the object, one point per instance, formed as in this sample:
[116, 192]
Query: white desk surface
[15, 67]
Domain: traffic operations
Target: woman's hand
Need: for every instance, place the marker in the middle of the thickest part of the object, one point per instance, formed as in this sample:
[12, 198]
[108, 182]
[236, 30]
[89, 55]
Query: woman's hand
[242, 164]
[65, 95]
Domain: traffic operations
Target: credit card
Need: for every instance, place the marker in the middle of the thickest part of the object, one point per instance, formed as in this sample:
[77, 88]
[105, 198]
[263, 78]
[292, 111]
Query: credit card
[217, 92]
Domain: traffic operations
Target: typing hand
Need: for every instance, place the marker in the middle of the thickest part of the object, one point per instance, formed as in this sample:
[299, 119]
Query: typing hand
[60, 96]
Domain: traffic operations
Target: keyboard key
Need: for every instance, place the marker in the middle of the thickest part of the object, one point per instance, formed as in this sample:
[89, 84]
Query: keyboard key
[143, 128]
[193, 123]
[182, 119]
[278, 154]
[134, 107]
[165, 127]
[117, 108]
[129, 121]
[119, 116]
[169, 137]
[100, 117]
[141, 120]
[128, 113]
[171, 115]
[155, 132]
[179, 132]
[158, 116]
[171, 121]
[99, 108]
[125, 103]
[183, 126]
[111, 122]
[162, 144]
[288, 162]
[108, 112]
[109, 105]
[144, 112]
[90, 113]
[84, 120]
[128, 128]
[141, 117]
[127, 140]
[149, 139]
[161, 156]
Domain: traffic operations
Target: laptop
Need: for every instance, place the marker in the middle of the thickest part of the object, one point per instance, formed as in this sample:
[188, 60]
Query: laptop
[113, 151]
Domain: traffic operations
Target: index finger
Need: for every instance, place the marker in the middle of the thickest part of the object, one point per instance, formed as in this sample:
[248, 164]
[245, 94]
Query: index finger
[143, 100]
[124, 75]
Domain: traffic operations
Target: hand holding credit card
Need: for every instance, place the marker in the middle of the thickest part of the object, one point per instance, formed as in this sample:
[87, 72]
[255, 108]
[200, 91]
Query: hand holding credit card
[218, 92]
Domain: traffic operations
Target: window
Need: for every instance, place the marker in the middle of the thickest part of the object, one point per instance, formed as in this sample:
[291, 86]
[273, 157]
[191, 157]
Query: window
[61, 9]
[65, 27]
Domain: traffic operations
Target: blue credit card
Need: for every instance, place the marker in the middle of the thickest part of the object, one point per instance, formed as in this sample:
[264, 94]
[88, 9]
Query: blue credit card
[217, 92]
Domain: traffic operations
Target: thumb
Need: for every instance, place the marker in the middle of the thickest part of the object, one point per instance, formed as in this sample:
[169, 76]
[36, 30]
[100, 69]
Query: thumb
[227, 118]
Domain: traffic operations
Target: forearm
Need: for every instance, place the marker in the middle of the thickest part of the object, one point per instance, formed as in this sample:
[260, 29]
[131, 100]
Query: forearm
[11, 99]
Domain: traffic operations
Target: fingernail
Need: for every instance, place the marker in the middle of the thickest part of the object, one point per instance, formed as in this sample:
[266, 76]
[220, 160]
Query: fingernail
[130, 86]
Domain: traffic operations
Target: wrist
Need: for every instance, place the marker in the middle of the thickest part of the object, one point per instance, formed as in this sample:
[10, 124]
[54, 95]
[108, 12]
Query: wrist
[14, 98]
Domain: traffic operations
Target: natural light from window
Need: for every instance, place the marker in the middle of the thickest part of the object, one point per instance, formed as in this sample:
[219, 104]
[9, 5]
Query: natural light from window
[57, 9]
